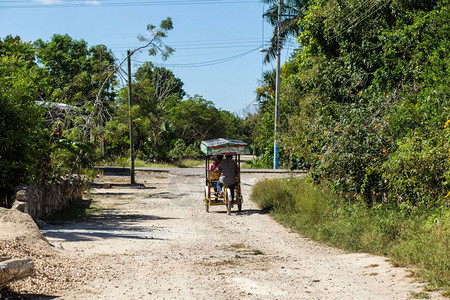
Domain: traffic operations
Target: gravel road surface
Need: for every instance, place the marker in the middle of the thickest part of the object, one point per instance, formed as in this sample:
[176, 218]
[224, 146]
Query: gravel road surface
[156, 241]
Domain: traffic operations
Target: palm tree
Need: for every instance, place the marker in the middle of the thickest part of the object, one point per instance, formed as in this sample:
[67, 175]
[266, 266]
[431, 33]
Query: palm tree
[291, 12]
[266, 91]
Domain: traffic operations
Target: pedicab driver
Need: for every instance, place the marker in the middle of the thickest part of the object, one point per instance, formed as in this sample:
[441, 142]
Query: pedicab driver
[229, 171]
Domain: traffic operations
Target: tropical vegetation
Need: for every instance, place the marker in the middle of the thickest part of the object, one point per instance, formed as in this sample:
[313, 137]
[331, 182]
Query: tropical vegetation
[365, 99]
[63, 110]
[365, 109]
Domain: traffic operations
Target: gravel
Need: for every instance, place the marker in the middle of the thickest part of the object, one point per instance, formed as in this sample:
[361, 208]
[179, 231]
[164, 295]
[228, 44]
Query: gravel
[156, 241]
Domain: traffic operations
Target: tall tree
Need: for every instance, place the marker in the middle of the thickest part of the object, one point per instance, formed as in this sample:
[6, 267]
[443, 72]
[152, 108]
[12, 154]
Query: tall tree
[79, 76]
[76, 72]
[155, 91]
[367, 97]
[196, 119]
[102, 92]
[66, 61]
[292, 11]
[167, 89]
[14, 46]
[22, 136]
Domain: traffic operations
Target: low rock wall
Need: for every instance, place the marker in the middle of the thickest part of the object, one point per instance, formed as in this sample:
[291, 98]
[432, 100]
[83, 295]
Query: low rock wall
[41, 201]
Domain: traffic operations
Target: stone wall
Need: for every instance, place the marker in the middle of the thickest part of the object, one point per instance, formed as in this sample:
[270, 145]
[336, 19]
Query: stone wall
[44, 200]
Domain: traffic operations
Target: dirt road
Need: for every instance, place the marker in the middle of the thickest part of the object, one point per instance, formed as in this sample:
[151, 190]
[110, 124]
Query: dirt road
[157, 242]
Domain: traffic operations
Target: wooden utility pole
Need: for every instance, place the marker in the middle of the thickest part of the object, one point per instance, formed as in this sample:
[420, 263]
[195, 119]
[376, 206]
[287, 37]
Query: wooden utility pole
[130, 120]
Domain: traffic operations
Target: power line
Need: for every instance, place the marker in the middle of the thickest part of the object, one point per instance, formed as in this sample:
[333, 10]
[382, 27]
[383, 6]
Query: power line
[203, 53]
[194, 42]
[361, 5]
[90, 2]
[203, 48]
[206, 63]
[97, 4]
[363, 17]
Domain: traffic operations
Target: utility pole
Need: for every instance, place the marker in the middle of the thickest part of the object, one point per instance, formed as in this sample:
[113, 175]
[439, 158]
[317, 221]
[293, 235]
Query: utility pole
[276, 150]
[130, 120]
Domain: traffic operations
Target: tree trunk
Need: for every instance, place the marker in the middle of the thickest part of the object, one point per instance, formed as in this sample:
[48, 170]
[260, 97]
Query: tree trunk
[14, 269]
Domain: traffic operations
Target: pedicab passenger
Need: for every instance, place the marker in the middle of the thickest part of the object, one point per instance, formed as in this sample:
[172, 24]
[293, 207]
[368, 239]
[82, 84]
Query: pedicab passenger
[214, 173]
[216, 162]
[229, 171]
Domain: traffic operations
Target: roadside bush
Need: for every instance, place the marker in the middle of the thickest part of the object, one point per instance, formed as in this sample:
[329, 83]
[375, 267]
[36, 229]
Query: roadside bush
[425, 243]
[271, 194]
[177, 150]
[410, 235]
[23, 136]
[416, 171]
[366, 108]
[257, 163]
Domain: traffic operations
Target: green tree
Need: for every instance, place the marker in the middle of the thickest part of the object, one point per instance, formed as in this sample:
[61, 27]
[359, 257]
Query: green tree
[22, 135]
[291, 11]
[367, 82]
[79, 76]
[14, 46]
[66, 62]
[155, 91]
[76, 72]
[195, 119]
[167, 89]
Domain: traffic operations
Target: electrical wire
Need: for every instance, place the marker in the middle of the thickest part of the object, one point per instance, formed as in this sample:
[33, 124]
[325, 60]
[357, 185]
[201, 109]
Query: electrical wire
[205, 42]
[205, 63]
[77, 3]
[363, 17]
[360, 6]
[200, 47]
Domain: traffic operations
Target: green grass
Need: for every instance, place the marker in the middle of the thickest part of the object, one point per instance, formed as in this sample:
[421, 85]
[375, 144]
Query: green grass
[410, 237]
[255, 164]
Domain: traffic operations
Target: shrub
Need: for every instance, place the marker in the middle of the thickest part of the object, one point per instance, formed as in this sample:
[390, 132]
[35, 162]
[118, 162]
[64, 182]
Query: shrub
[410, 235]
[416, 171]
[22, 136]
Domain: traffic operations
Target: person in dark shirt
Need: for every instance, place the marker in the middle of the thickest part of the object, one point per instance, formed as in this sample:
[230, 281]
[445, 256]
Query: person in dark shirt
[228, 172]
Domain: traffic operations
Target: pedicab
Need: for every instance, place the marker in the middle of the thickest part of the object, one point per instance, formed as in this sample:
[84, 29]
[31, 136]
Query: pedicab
[231, 196]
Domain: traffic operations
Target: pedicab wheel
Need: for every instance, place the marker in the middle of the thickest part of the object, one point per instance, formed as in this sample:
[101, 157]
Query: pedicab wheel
[228, 201]
[240, 203]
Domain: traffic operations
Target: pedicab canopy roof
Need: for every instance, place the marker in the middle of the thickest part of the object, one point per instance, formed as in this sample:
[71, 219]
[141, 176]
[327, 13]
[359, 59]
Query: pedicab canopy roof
[224, 146]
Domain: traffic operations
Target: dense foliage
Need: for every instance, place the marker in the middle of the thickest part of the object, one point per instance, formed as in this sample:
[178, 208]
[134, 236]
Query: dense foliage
[365, 99]
[62, 110]
[168, 124]
[21, 121]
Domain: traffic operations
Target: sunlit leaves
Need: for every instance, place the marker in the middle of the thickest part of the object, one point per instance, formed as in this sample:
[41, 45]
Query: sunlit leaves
[155, 39]
[369, 76]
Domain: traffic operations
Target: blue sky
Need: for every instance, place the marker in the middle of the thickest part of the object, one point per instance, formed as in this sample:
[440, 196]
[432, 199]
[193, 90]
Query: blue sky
[205, 33]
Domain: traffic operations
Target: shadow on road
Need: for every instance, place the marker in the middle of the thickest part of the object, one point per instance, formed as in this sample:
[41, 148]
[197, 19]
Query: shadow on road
[249, 212]
[105, 226]
[112, 194]
[109, 185]
[244, 212]
[6, 293]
